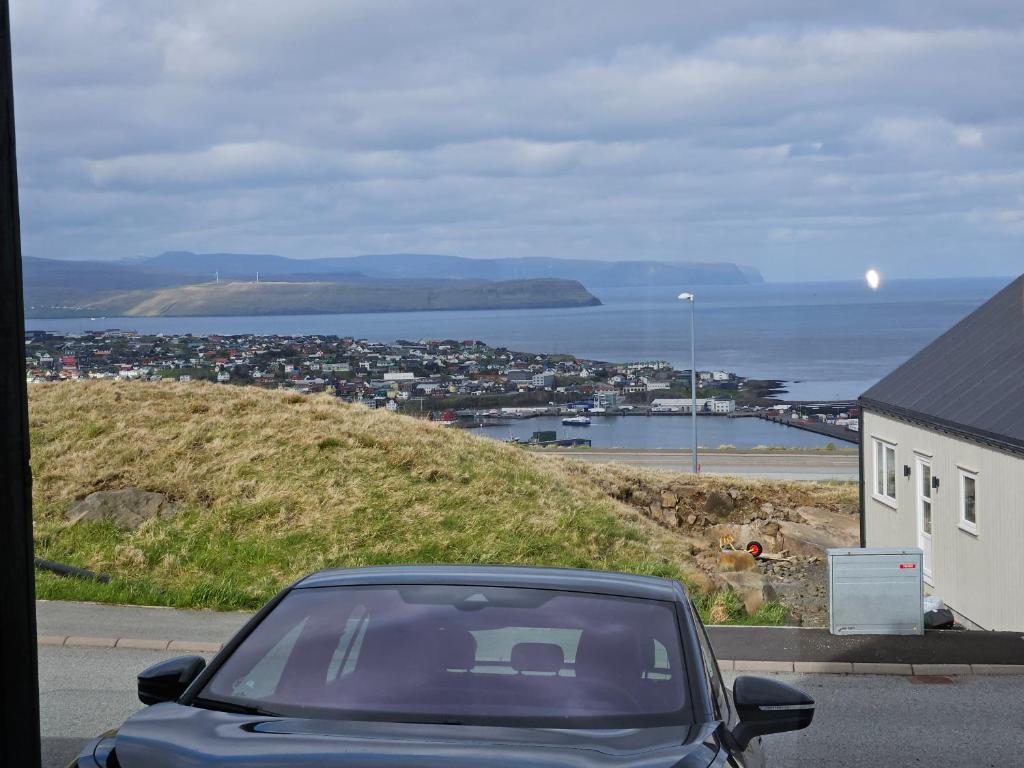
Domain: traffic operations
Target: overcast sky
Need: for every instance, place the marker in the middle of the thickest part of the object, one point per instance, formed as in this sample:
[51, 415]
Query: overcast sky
[809, 144]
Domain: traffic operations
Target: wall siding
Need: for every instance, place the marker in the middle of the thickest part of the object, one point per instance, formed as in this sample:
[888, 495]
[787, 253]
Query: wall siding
[982, 576]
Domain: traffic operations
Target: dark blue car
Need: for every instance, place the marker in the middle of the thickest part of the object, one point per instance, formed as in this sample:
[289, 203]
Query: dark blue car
[453, 666]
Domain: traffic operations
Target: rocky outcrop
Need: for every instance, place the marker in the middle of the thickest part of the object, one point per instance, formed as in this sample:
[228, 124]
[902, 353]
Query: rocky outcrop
[713, 512]
[127, 508]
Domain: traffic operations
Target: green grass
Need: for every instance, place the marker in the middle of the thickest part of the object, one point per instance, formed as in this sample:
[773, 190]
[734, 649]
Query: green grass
[270, 486]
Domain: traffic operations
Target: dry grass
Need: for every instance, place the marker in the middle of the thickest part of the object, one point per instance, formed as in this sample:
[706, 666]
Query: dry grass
[637, 487]
[271, 486]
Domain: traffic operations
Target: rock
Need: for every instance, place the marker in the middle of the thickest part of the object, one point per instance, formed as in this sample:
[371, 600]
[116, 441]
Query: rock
[733, 494]
[718, 504]
[752, 588]
[736, 560]
[669, 500]
[704, 582]
[691, 520]
[654, 511]
[767, 509]
[127, 508]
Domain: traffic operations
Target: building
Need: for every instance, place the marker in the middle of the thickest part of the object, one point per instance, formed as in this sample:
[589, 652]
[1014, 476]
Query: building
[943, 462]
[721, 405]
[544, 380]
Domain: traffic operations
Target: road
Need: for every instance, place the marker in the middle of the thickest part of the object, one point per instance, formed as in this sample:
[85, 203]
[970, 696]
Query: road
[862, 720]
[772, 466]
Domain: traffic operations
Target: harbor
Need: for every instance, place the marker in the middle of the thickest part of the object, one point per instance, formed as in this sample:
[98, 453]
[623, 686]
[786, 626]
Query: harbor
[630, 431]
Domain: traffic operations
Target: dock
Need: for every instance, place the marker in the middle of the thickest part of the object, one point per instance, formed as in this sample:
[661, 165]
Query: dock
[820, 427]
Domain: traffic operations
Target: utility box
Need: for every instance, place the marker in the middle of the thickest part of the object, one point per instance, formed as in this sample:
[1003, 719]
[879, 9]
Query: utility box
[875, 591]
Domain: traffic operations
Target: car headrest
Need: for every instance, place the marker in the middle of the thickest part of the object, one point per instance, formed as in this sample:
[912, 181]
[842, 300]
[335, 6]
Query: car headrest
[611, 654]
[455, 648]
[537, 657]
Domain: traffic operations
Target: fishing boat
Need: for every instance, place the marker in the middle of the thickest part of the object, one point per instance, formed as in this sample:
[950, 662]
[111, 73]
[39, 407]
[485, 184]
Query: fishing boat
[576, 421]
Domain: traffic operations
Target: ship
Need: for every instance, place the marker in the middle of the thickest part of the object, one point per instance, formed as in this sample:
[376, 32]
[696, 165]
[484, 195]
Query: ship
[576, 421]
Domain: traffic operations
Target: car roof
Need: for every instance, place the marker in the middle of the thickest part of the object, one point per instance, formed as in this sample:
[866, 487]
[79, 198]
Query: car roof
[565, 579]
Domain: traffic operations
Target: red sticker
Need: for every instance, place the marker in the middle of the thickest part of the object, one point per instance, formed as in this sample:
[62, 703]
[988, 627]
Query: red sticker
[907, 565]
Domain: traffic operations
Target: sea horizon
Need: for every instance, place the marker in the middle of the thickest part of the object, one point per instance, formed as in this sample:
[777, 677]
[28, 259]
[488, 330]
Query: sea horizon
[824, 339]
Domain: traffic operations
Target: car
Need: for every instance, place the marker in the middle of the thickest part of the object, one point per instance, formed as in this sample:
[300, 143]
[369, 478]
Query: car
[457, 666]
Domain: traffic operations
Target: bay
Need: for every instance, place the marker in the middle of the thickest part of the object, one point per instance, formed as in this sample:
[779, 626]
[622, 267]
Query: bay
[826, 340]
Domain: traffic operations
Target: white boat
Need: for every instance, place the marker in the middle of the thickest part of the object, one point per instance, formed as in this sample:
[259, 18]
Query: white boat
[576, 421]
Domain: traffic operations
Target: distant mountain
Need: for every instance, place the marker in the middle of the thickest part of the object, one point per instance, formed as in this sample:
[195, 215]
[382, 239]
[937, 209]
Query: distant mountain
[590, 272]
[52, 281]
[388, 282]
[322, 297]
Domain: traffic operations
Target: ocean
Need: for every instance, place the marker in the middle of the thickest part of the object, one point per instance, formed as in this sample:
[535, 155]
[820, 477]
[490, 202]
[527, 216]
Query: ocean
[825, 340]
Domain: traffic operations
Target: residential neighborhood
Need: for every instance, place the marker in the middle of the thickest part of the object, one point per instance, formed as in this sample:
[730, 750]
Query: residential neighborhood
[419, 376]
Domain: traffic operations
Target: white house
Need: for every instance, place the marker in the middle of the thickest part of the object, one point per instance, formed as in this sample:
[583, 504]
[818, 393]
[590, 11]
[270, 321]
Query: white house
[942, 454]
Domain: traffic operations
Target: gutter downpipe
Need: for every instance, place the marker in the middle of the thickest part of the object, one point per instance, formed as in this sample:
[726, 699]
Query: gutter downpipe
[860, 475]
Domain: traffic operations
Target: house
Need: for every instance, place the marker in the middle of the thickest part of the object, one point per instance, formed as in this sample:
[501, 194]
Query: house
[942, 458]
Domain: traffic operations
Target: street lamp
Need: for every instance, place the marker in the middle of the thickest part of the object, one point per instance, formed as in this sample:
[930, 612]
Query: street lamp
[693, 376]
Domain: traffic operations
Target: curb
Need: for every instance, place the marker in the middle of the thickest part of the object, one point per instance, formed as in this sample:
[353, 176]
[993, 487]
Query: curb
[129, 643]
[726, 665]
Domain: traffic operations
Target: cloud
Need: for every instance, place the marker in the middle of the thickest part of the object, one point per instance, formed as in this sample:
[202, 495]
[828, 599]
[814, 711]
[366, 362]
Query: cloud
[793, 138]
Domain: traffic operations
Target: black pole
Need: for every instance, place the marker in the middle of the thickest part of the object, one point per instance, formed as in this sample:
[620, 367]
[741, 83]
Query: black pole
[19, 680]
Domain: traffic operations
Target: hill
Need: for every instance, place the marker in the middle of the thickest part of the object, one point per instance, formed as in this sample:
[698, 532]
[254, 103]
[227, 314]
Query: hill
[591, 272]
[307, 298]
[272, 485]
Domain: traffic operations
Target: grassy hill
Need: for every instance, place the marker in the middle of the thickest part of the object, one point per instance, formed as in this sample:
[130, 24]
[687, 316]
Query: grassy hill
[273, 485]
[326, 297]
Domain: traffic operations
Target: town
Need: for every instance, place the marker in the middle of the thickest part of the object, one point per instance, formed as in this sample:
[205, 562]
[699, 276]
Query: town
[403, 375]
[459, 382]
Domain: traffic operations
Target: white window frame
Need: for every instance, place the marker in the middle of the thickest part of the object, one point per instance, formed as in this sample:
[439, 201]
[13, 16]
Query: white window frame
[884, 498]
[962, 522]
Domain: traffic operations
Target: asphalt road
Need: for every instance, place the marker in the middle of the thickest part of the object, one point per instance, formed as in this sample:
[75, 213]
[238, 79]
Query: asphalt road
[772, 466]
[862, 720]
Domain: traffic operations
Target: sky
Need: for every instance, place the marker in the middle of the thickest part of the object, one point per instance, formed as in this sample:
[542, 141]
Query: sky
[810, 140]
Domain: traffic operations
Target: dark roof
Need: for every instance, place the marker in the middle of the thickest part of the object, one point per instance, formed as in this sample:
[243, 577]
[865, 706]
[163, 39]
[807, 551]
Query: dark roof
[567, 579]
[970, 380]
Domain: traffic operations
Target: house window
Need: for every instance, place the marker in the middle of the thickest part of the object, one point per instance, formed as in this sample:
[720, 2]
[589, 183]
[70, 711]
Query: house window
[969, 501]
[885, 472]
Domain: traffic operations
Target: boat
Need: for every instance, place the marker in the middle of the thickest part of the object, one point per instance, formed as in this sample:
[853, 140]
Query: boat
[576, 421]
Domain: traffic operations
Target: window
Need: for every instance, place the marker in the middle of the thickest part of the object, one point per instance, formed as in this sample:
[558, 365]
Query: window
[885, 472]
[469, 655]
[968, 501]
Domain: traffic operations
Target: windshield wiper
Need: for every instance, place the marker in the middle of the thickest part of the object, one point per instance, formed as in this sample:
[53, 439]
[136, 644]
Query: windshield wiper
[231, 706]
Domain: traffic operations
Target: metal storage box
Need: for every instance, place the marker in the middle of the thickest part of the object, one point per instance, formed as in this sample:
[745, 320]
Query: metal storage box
[876, 591]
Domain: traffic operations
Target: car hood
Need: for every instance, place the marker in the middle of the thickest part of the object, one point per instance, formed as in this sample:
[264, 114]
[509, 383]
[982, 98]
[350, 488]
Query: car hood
[175, 736]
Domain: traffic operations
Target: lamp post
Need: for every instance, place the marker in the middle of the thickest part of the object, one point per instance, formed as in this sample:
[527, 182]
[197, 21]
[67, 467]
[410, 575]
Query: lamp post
[693, 376]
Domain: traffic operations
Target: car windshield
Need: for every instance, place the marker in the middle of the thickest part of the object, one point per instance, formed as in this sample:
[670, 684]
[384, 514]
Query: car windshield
[462, 655]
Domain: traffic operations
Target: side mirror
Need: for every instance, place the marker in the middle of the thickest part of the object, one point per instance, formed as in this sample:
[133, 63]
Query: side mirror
[768, 706]
[167, 680]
